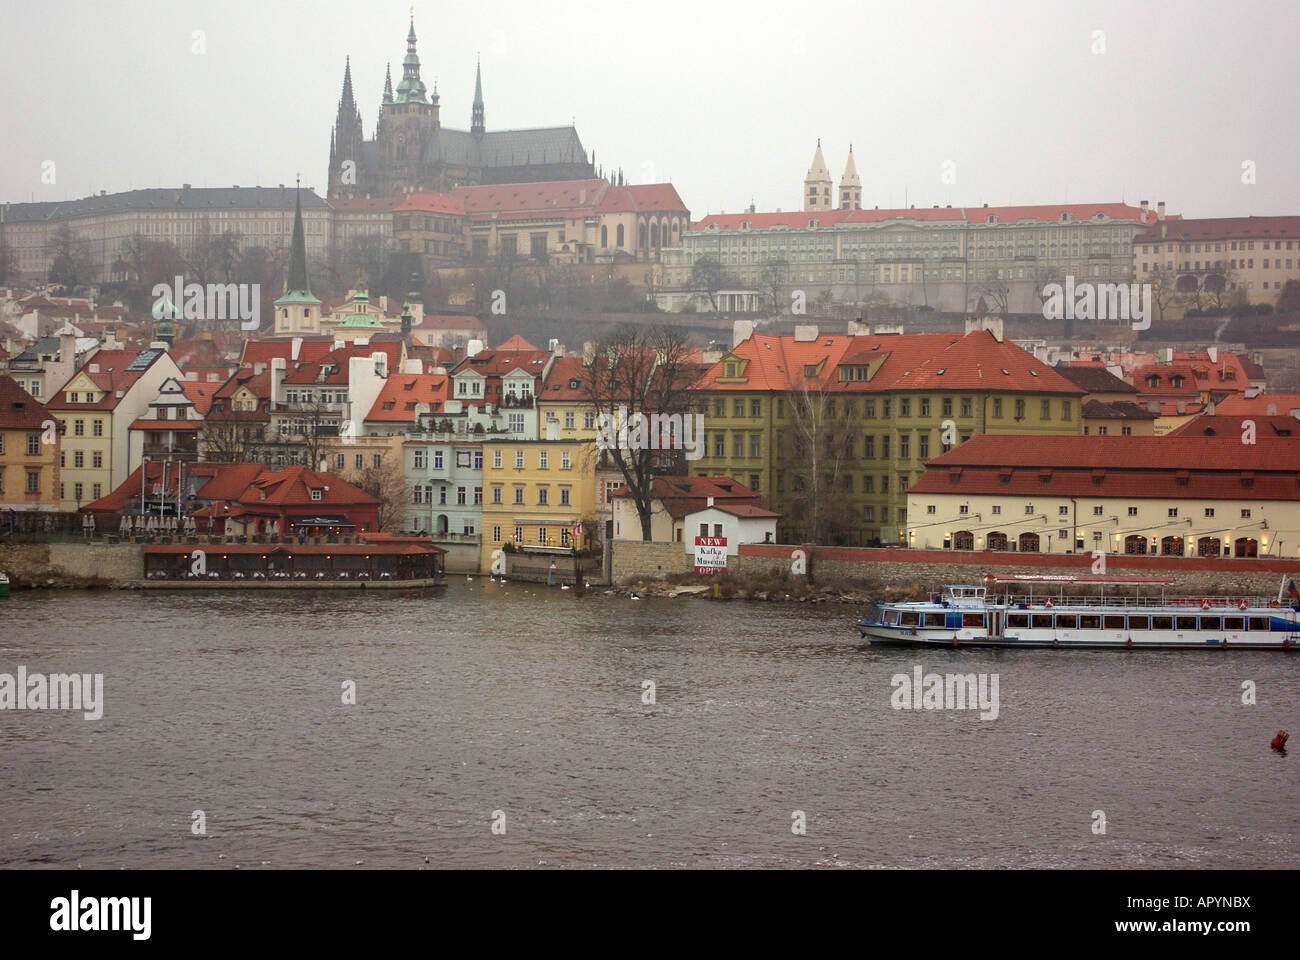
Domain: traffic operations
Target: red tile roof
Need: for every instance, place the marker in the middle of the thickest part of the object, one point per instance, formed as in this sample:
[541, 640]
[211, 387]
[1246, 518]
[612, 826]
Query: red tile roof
[516, 343]
[973, 215]
[1223, 228]
[110, 375]
[566, 381]
[200, 394]
[550, 197]
[429, 202]
[19, 410]
[449, 322]
[1257, 406]
[402, 392]
[1268, 426]
[263, 351]
[683, 495]
[1133, 467]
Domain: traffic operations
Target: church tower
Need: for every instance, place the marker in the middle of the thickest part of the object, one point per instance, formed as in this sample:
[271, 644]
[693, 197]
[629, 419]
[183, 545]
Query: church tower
[817, 184]
[476, 125]
[297, 312]
[345, 143]
[409, 123]
[850, 185]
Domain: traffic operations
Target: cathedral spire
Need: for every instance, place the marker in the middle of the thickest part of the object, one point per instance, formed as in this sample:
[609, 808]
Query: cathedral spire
[476, 124]
[297, 282]
[388, 83]
[297, 312]
[346, 98]
[850, 185]
[411, 89]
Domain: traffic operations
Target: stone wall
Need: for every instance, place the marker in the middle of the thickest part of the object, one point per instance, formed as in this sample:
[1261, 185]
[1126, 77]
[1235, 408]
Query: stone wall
[535, 568]
[36, 564]
[876, 569]
[640, 558]
[461, 556]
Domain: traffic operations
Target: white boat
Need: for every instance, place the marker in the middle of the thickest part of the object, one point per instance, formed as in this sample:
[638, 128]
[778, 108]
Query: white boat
[996, 615]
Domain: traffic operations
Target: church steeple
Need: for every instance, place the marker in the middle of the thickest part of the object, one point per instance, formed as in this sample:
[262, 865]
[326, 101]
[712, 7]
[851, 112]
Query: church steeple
[476, 123]
[817, 184]
[388, 84]
[297, 311]
[345, 141]
[850, 185]
[411, 89]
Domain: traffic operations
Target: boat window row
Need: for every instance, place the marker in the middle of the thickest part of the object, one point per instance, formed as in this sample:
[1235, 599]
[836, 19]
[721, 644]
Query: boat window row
[1120, 621]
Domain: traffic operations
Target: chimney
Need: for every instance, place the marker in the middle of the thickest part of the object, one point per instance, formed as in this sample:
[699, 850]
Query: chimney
[805, 332]
[473, 348]
[1160, 210]
[588, 352]
[294, 348]
[259, 368]
[1213, 354]
[277, 379]
[1145, 211]
[1271, 410]
[1153, 406]
[742, 330]
[381, 364]
[710, 502]
[1182, 406]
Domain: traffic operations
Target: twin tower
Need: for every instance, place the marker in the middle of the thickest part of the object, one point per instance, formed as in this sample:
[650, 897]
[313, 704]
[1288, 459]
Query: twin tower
[818, 189]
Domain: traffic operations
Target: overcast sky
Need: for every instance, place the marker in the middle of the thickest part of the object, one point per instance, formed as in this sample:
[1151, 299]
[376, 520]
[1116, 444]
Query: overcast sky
[1026, 101]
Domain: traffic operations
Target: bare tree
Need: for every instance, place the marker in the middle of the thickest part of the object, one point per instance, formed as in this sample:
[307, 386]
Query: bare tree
[1188, 285]
[708, 277]
[641, 371]
[1163, 290]
[997, 293]
[387, 483]
[775, 276]
[825, 425]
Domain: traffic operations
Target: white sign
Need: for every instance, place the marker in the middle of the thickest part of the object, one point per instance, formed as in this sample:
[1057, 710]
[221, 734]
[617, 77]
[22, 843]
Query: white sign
[710, 554]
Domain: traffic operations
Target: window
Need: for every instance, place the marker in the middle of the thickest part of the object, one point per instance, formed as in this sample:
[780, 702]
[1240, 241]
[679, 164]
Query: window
[924, 446]
[78, 428]
[564, 496]
[460, 496]
[77, 490]
[1245, 513]
[997, 407]
[1209, 511]
[719, 444]
[1063, 511]
[97, 428]
[437, 459]
[34, 483]
[589, 420]
[78, 459]
[496, 493]
[869, 448]
[1173, 511]
[315, 494]
[496, 534]
[541, 496]
[568, 419]
[566, 460]
[519, 495]
[97, 459]
[1020, 409]
[965, 406]
[737, 444]
[905, 407]
[1096, 511]
[738, 407]
[541, 535]
[519, 534]
[929, 509]
[1067, 410]
[946, 406]
[33, 445]
[96, 490]
[519, 459]
[1132, 511]
[1029, 509]
[543, 459]
[496, 459]
[755, 445]
[1045, 410]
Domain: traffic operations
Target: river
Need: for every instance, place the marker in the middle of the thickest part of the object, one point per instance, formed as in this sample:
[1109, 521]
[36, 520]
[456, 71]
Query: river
[521, 706]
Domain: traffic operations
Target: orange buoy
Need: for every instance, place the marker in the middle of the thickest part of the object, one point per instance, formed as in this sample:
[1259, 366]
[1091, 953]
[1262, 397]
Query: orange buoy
[1205, 603]
[954, 641]
[1279, 742]
[1130, 643]
[1242, 604]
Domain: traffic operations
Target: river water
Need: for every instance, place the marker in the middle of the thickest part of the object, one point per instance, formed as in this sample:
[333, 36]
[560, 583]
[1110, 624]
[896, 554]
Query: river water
[522, 706]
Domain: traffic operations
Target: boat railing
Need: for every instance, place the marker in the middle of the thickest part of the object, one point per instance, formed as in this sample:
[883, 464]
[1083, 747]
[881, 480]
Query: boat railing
[1121, 600]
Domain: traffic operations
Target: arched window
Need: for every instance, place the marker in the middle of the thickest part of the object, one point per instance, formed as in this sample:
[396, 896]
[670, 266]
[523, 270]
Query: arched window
[604, 236]
[1171, 547]
[963, 540]
[1135, 543]
[997, 541]
[654, 234]
[640, 236]
[1029, 542]
[619, 235]
[1209, 547]
[1245, 547]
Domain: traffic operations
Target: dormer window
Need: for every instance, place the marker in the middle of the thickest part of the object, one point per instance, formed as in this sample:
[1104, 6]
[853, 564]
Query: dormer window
[315, 494]
[730, 368]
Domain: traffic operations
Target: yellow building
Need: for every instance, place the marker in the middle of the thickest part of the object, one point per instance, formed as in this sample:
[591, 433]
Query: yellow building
[1226, 258]
[1207, 496]
[538, 497]
[29, 452]
[831, 430]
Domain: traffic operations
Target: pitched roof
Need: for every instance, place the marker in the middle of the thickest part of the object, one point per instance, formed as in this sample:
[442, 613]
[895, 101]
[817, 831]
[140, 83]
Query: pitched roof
[566, 381]
[683, 495]
[113, 372]
[1117, 410]
[1258, 405]
[166, 198]
[19, 410]
[1094, 379]
[516, 343]
[263, 351]
[973, 215]
[402, 392]
[1223, 228]
[1267, 426]
[449, 322]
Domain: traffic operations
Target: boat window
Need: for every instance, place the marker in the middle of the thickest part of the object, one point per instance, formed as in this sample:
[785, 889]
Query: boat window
[1114, 622]
[891, 616]
[1020, 620]
[1211, 623]
[1184, 623]
[1259, 623]
[1234, 623]
[1042, 621]
[934, 620]
[972, 619]
[1089, 621]
[1162, 623]
[1139, 623]
[1067, 621]
[908, 618]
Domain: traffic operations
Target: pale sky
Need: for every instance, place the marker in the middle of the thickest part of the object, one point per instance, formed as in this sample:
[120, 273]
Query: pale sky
[725, 99]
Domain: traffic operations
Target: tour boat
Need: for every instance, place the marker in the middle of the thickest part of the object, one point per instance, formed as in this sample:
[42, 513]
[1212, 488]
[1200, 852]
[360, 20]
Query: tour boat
[4, 584]
[998, 614]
